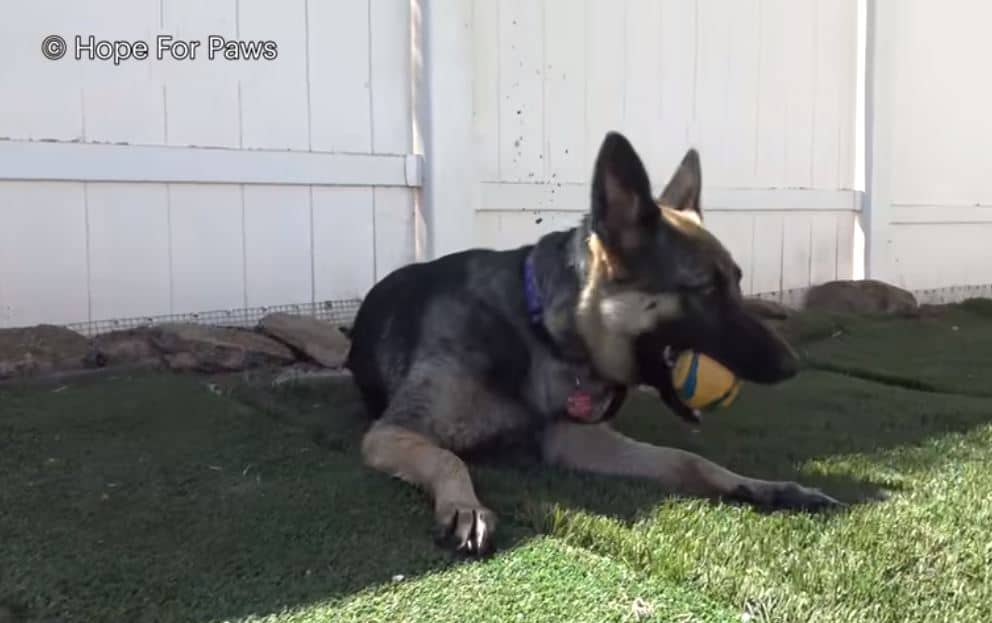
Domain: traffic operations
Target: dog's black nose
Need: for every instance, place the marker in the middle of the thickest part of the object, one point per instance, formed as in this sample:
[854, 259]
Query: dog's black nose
[771, 371]
[758, 353]
[765, 362]
[781, 363]
[788, 366]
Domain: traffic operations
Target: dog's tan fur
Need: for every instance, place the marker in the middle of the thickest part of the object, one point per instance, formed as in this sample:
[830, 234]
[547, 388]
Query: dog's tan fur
[470, 366]
[610, 318]
[414, 458]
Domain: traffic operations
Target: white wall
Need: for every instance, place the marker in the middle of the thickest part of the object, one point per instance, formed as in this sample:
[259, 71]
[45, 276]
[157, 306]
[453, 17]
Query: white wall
[160, 187]
[765, 89]
[170, 187]
[932, 196]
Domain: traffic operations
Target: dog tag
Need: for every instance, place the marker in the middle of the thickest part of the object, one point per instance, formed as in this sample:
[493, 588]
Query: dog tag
[579, 405]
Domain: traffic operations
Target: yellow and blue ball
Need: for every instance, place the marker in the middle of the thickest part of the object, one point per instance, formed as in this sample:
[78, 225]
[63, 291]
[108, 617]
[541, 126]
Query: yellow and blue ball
[702, 383]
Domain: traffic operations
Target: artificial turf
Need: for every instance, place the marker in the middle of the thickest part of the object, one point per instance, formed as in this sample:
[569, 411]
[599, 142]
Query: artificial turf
[947, 351]
[155, 497]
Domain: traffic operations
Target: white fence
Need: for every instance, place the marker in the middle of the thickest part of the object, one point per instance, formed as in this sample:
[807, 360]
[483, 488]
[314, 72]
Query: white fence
[766, 90]
[164, 187]
[931, 188]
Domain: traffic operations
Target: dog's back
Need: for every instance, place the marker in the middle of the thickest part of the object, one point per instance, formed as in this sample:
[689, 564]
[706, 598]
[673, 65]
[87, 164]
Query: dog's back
[455, 310]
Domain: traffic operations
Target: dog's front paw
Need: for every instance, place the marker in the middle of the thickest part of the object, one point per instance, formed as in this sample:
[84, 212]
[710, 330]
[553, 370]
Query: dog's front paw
[794, 496]
[466, 528]
[785, 496]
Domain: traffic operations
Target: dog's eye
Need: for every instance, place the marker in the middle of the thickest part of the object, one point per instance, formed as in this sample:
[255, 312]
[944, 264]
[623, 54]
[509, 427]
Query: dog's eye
[704, 289]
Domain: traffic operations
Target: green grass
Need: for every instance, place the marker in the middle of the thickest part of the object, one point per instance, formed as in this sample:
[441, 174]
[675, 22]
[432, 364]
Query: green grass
[946, 353]
[542, 579]
[150, 498]
[924, 554]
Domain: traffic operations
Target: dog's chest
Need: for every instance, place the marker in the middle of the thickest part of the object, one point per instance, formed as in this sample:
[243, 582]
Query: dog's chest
[558, 388]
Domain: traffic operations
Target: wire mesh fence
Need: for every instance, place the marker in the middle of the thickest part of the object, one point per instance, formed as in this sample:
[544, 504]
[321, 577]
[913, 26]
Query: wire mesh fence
[792, 298]
[795, 297]
[953, 294]
[342, 312]
[338, 312]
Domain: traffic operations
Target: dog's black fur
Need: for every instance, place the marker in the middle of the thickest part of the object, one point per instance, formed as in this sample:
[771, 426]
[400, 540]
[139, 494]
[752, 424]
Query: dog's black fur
[449, 355]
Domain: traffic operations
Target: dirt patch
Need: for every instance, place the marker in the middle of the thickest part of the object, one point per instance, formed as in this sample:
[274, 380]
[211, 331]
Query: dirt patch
[865, 296]
[43, 349]
[128, 347]
[202, 348]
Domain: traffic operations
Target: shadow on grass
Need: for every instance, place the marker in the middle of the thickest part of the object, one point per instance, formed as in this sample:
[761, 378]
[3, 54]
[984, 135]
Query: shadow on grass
[153, 498]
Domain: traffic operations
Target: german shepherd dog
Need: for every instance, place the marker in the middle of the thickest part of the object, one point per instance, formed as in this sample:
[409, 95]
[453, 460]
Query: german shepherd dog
[543, 341]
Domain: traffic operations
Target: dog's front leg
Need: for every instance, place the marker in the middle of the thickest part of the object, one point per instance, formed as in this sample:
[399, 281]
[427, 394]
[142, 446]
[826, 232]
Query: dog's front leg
[461, 519]
[602, 450]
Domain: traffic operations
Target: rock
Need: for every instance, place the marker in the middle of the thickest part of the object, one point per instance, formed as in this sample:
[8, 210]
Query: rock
[183, 361]
[321, 341]
[763, 308]
[127, 347]
[860, 297]
[210, 349]
[42, 349]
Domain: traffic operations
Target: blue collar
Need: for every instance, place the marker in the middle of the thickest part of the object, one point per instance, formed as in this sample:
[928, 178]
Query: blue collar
[531, 294]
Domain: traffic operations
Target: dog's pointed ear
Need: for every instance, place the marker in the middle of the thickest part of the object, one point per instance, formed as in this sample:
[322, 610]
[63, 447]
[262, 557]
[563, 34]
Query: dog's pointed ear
[623, 213]
[683, 190]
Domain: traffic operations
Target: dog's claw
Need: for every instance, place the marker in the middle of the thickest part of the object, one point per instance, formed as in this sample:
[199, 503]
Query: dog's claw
[467, 529]
[797, 497]
[787, 496]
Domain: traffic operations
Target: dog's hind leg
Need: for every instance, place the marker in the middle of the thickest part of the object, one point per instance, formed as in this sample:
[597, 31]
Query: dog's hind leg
[600, 449]
[462, 521]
